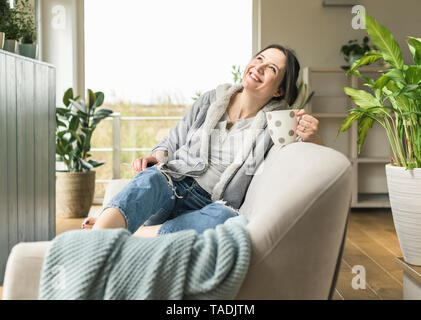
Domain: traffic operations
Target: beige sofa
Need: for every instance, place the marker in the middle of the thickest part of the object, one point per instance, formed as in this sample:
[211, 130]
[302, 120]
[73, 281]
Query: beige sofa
[297, 207]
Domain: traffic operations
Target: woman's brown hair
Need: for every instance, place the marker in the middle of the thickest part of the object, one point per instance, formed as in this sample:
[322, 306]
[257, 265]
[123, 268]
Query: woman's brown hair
[292, 71]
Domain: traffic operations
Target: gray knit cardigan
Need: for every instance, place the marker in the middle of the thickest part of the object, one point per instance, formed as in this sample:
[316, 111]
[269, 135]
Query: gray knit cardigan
[188, 144]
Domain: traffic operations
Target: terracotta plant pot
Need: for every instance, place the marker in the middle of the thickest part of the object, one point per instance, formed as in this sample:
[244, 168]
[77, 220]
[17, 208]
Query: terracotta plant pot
[74, 193]
[405, 200]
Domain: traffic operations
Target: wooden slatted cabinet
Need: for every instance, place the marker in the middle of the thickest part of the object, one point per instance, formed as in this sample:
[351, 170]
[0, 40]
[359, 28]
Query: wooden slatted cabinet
[27, 157]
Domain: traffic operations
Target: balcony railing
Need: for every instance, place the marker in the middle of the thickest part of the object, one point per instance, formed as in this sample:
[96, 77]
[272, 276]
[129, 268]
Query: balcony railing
[116, 147]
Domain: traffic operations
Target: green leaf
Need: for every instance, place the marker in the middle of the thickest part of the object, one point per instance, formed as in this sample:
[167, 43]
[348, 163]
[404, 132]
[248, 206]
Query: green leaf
[74, 123]
[79, 106]
[376, 110]
[396, 75]
[99, 99]
[60, 124]
[67, 96]
[62, 111]
[61, 134]
[364, 126]
[413, 74]
[361, 98]
[416, 49]
[348, 121]
[307, 100]
[101, 114]
[411, 112]
[75, 135]
[68, 148]
[91, 98]
[86, 130]
[95, 163]
[383, 39]
[370, 82]
[379, 84]
[85, 164]
[366, 60]
[104, 112]
[60, 149]
[394, 95]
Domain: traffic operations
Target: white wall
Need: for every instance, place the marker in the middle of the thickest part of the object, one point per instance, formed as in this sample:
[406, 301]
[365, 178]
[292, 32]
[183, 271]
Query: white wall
[316, 33]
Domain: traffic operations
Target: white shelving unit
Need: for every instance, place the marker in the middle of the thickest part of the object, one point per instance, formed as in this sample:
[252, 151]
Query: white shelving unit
[330, 105]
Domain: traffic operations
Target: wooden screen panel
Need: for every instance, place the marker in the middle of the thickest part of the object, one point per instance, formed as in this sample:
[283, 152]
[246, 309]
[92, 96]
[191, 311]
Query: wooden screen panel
[27, 160]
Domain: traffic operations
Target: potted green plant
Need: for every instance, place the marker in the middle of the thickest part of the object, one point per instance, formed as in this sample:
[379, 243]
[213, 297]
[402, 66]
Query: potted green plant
[353, 51]
[395, 103]
[304, 97]
[12, 31]
[26, 19]
[75, 124]
[4, 17]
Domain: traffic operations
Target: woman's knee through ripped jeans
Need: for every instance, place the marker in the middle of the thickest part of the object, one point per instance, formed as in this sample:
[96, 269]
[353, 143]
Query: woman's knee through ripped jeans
[150, 199]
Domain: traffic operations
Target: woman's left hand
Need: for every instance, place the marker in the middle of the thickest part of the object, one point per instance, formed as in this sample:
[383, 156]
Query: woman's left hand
[307, 127]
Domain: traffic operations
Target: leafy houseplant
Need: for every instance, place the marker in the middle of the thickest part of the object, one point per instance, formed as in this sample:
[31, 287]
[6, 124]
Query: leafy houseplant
[237, 74]
[303, 96]
[353, 51]
[75, 124]
[396, 105]
[4, 17]
[26, 19]
[12, 30]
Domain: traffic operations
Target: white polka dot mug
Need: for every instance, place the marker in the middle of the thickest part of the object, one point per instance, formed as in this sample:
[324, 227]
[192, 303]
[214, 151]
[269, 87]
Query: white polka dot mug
[282, 125]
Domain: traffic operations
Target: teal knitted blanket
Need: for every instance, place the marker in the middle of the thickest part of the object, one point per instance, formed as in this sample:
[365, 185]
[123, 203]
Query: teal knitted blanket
[112, 264]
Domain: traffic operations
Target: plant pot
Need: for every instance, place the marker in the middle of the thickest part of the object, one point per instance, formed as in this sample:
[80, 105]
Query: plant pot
[74, 193]
[10, 45]
[28, 50]
[2, 38]
[405, 199]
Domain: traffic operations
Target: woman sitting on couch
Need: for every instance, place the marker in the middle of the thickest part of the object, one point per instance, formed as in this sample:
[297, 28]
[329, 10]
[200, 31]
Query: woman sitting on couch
[197, 176]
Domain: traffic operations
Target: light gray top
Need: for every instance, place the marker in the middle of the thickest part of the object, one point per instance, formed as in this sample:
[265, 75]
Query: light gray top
[188, 144]
[224, 146]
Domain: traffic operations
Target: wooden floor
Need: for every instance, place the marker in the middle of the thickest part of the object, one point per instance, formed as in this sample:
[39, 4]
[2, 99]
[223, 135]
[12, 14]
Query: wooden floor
[371, 243]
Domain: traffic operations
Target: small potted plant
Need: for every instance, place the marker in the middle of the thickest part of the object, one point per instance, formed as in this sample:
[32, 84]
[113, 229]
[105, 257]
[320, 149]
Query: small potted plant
[395, 103]
[303, 98]
[4, 17]
[75, 124]
[12, 31]
[353, 51]
[28, 35]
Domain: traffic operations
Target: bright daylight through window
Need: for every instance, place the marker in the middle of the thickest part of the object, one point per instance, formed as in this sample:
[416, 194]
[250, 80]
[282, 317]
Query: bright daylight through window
[152, 58]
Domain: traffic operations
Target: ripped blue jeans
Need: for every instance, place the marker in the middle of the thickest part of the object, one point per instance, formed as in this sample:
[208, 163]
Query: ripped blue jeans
[151, 199]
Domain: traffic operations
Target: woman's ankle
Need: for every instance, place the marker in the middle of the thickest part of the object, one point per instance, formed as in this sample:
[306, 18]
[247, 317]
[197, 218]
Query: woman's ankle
[110, 218]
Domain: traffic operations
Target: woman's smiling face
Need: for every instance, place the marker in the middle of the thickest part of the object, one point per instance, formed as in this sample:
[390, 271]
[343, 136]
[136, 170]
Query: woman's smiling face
[264, 73]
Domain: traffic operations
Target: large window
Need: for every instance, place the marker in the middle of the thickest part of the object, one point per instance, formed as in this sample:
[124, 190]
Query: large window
[146, 52]
[150, 58]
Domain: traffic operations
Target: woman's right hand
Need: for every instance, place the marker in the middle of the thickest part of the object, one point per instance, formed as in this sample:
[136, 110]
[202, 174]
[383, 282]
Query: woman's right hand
[141, 164]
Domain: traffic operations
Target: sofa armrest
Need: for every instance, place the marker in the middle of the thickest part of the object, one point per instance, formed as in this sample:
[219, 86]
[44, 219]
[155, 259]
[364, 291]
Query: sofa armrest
[297, 208]
[23, 270]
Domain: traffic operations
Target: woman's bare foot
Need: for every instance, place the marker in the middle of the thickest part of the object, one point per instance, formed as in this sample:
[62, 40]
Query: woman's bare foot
[89, 222]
